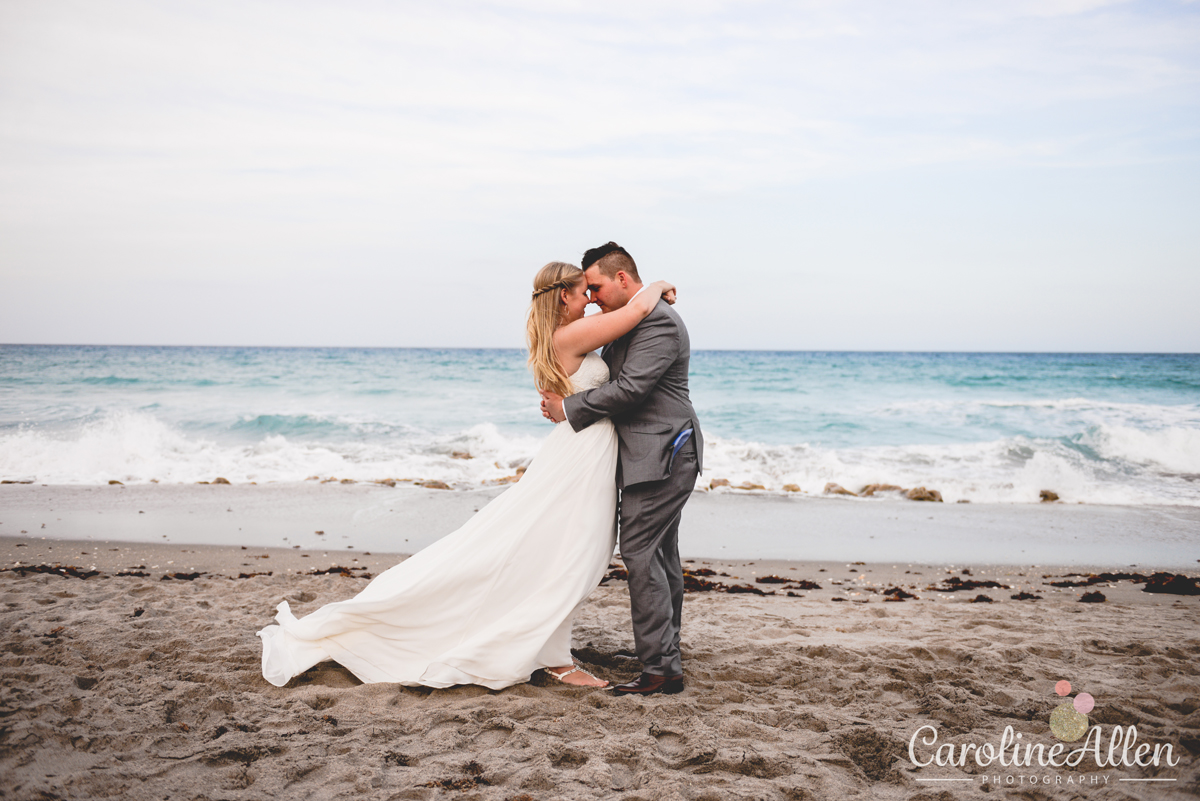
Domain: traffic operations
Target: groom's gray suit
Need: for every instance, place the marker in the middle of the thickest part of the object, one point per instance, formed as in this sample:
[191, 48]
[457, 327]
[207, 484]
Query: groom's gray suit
[647, 400]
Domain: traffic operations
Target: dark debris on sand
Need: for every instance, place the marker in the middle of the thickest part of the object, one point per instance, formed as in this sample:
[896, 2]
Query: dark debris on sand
[747, 589]
[181, 576]
[804, 584]
[1161, 582]
[1096, 578]
[57, 570]
[344, 572]
[139, 572]
[954, 584]
[694, 581]
[1172, 584]
[615, 574]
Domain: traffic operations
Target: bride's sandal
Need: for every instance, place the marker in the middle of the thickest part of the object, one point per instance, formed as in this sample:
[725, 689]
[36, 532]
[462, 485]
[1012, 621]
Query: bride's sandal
[577, 669]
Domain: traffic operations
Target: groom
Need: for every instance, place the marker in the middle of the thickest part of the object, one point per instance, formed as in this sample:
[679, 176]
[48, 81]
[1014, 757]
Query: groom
[659, 457]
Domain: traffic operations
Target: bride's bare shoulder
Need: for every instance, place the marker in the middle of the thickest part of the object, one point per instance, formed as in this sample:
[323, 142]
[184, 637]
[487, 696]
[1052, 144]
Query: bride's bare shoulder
[570, 362]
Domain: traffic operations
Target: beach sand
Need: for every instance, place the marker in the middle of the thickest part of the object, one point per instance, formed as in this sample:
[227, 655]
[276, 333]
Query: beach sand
[722, 524]
[136, 687]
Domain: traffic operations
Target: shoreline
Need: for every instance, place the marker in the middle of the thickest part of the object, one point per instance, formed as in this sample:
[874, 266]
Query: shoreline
[725, 526]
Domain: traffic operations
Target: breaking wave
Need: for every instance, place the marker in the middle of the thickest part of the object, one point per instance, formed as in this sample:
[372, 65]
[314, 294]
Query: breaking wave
[1105, 464]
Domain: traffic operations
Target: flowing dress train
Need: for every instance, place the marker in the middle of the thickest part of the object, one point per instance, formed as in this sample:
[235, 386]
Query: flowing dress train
[489, 603]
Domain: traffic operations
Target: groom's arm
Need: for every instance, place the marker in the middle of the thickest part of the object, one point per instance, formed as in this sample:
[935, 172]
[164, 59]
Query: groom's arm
[653, 348]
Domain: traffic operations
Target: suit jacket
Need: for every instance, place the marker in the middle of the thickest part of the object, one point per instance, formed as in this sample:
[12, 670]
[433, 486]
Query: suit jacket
[646, 397]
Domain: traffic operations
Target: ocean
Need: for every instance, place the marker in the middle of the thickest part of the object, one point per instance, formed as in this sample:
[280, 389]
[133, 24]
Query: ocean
[981, 427]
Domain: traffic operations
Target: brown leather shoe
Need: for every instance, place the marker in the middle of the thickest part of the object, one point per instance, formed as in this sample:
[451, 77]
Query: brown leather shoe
[649, 684]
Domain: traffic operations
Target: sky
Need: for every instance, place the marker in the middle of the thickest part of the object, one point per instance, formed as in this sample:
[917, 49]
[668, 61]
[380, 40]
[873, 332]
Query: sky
[906, 175]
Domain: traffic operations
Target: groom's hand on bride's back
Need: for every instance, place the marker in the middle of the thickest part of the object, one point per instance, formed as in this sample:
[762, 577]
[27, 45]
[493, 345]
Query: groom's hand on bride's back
[552, 407]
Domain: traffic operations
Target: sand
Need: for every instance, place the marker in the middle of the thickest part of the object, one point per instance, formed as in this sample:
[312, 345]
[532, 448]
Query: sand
[135, 687]
[721, 524]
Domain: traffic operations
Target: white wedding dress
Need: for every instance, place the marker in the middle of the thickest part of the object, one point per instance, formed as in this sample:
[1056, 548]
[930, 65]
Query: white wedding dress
[489, 603]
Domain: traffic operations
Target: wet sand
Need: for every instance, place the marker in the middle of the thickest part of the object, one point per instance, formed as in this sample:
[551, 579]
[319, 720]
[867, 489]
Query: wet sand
[722, 524]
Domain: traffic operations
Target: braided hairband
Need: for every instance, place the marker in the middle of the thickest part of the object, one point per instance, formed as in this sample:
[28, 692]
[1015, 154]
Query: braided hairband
[563, 284]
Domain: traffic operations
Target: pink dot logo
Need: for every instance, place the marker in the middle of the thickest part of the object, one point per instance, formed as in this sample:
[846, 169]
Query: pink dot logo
[1069, 720]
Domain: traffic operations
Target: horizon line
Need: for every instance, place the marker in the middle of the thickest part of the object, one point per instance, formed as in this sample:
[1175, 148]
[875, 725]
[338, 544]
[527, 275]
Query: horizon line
[695, 350]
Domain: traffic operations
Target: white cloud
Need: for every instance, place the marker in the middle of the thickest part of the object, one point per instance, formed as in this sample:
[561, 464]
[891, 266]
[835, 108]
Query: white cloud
[253, 141]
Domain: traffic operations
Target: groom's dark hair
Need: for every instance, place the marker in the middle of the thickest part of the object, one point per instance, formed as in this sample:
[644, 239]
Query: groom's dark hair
[611, 258]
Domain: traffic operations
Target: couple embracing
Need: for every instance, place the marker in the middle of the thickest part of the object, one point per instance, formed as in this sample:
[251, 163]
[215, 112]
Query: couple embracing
[494, 601]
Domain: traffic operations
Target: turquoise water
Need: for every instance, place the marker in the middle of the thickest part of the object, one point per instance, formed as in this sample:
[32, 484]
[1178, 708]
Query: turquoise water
[1097, 428]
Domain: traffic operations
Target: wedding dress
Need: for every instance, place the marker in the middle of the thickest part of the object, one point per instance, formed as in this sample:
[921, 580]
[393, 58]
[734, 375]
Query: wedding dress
[489, 603]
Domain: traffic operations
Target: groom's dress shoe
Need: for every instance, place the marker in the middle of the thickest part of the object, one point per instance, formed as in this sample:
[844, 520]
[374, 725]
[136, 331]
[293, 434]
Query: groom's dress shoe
[649, 684]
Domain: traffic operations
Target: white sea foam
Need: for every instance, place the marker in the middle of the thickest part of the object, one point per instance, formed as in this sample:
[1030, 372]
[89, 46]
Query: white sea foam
[1012, 470]
[1042, 409]
[138, 448]
[1172, 449]
[1108, 464]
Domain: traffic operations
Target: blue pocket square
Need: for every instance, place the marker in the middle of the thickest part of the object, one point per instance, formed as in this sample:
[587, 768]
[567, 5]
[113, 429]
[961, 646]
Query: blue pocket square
[683, 437]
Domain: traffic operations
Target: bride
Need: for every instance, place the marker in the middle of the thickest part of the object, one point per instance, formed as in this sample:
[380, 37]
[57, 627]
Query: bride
[493, 602]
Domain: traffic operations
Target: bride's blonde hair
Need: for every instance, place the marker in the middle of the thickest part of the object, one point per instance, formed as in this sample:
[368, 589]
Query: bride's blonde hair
[545, 315]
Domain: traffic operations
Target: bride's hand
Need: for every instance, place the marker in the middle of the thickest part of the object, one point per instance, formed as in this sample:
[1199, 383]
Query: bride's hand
[667, 290]
[552, 408]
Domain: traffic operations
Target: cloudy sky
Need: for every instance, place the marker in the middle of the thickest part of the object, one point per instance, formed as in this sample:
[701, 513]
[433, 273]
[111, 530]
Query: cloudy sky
[913, 175]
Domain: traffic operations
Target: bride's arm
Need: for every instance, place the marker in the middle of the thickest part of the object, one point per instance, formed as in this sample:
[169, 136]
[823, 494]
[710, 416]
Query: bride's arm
[588, 333]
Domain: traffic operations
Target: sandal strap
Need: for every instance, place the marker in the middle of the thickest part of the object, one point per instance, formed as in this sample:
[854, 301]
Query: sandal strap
[565, 673]
[576, 669]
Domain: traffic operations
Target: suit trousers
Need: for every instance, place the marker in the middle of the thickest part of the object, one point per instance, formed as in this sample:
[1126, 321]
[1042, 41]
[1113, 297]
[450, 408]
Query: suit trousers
[649, 536]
